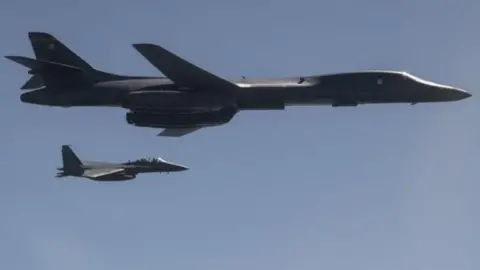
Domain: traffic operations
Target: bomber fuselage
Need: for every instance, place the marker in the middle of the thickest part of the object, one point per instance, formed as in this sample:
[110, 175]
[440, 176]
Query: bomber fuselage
[342, 89]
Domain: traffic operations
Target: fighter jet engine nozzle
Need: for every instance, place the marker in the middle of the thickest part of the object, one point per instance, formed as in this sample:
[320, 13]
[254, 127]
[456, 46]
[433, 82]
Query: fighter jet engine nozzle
[128, 176]
[181, 120]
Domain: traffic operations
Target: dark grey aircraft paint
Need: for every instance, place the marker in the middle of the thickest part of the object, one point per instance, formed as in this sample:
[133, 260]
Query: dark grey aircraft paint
[107, 171]
[190, 98]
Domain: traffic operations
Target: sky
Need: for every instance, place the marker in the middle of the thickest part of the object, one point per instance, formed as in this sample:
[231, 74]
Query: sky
[369, 187]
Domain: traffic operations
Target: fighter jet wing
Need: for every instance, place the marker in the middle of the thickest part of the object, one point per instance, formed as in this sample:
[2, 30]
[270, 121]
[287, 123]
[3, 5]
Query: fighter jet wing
[177, 132]
[182, 72]
[96, 173]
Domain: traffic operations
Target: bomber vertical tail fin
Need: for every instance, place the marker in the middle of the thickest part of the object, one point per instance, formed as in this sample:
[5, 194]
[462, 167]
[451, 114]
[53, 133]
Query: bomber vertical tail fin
[47, 47]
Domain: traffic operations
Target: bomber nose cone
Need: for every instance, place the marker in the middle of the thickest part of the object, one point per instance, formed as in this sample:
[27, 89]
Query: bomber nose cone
[458, 94]
[461, 94]
[446, 93]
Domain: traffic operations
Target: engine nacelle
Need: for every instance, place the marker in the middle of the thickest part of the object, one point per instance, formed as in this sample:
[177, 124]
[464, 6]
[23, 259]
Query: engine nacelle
[160, 100]
[181, 120]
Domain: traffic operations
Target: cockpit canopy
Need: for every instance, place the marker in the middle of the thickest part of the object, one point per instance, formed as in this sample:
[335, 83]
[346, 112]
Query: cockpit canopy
[149, 160]
[422, 81]
[410, 77]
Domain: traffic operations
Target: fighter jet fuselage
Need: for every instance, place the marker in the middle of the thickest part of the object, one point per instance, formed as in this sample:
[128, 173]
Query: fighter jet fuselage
[108, 171]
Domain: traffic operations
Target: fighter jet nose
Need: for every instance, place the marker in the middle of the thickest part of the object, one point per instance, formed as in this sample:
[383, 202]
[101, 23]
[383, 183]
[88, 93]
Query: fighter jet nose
[182, 168]
[177, 168]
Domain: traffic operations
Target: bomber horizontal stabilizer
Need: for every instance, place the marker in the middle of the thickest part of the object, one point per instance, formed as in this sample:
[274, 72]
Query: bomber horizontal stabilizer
[177, 132]
[182, 72]
[39, 66]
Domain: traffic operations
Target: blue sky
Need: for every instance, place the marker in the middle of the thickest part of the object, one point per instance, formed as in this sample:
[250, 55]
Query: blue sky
[372, 187]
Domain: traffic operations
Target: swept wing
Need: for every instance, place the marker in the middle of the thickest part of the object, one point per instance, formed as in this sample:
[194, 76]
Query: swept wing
[101, 172]
[177, 132]
[182, 72]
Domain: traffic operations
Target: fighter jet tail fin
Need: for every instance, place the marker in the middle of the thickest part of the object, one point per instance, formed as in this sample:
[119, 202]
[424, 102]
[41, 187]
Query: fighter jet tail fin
[182, 72]
[70, 160]
[47, 47]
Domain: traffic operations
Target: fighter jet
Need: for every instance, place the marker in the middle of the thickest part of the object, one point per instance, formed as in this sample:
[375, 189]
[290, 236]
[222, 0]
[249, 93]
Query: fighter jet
[107, 171]
[190, 98]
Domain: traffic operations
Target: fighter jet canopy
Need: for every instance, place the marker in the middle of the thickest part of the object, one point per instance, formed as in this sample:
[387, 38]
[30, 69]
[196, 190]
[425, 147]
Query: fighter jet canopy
[159, 159]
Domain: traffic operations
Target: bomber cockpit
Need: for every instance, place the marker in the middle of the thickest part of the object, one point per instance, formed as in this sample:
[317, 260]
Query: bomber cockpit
[422, 81]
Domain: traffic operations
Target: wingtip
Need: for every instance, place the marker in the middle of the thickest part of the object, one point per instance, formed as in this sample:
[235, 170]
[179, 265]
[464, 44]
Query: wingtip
[142, 46]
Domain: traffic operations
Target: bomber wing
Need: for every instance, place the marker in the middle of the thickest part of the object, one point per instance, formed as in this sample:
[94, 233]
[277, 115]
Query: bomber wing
[182, 72]
[101, 172]
[177, 132]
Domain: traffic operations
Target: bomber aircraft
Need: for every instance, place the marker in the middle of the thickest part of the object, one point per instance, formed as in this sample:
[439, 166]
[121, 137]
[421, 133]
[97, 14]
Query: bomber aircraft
[108, 171]
[190, 98]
